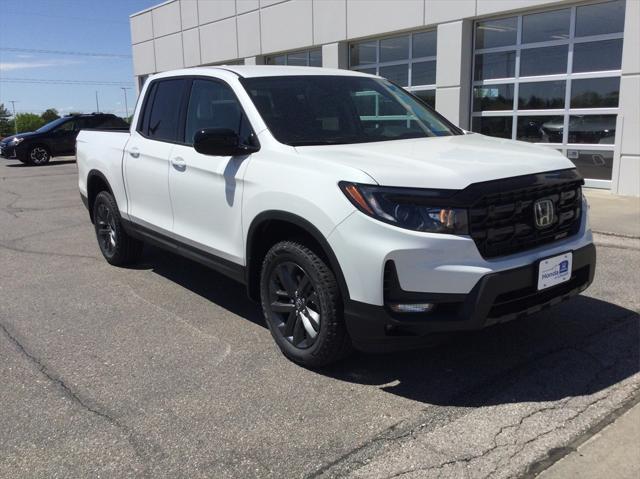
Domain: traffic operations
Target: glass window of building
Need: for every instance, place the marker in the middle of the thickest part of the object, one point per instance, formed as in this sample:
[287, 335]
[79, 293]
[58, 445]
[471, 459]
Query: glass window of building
[407, 60]
[303, 58]
[553, 77]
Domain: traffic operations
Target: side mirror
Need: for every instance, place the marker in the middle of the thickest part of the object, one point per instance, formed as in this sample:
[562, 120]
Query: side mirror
[220, 142]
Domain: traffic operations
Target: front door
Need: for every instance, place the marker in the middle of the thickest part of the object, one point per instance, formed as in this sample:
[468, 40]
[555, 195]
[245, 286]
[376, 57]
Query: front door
[64, 138]
[206, 191]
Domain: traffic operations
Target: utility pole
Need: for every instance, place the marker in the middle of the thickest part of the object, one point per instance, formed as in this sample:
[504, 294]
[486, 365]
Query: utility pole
[15, 123]
[97, 104]
[126, 106]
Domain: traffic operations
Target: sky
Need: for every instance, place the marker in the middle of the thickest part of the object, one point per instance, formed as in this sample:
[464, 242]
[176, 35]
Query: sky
[48, 41]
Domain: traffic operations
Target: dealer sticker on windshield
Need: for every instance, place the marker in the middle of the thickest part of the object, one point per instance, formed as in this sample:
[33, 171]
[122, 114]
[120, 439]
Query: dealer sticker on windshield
[554, 270]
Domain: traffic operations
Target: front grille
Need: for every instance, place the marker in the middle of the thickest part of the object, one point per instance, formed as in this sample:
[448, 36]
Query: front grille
[503, 223]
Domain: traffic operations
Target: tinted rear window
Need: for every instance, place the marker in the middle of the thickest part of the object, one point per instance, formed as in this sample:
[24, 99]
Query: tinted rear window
[161, 116]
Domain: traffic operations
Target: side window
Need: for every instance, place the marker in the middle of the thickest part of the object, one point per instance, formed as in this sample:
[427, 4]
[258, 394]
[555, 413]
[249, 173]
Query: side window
[214, 105]
[67, 127]
[164, 113]
[143, 120]
[110, 122]
[85, 123]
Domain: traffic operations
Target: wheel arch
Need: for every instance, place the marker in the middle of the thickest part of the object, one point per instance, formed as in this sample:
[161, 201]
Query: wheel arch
[272, 226]
[96, 182]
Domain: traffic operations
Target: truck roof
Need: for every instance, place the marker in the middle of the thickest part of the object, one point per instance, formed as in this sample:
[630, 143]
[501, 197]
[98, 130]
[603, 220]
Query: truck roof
[250, 71]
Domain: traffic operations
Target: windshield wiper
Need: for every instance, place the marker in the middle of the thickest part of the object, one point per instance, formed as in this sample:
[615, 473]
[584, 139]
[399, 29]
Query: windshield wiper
[325, 141]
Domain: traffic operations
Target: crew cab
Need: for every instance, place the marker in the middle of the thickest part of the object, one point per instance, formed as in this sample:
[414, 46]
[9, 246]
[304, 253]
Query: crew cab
[56, 138]
[356, 215]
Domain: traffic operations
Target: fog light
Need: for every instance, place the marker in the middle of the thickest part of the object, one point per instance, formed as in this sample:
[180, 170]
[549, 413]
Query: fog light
[411, 307]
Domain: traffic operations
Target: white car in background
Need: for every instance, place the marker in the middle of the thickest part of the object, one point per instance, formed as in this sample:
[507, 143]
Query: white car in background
[355, 214]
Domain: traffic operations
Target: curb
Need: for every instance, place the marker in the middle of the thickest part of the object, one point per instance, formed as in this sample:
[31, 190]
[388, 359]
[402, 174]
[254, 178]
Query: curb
[554, 455]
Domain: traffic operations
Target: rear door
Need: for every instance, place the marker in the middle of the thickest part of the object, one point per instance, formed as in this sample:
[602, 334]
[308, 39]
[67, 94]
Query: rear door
[146, 157]
[63, 138]
[206, 191]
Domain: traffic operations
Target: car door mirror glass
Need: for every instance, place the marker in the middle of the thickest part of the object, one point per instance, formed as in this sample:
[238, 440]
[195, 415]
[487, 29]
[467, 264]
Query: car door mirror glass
[220, 142]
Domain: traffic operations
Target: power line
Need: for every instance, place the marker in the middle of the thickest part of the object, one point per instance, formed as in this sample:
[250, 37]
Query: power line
[65, 52]
[65, 17]
[64, 82]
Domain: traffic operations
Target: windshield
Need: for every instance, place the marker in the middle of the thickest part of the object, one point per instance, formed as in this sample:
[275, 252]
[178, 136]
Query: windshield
[51, 125]
[321, 110]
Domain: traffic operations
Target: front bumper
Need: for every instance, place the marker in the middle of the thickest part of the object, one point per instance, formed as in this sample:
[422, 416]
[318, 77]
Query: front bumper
[8, 151]
[497, 297]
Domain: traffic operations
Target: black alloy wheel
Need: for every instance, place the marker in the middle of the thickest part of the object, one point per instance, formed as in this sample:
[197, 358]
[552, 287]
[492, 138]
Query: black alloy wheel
[302, 305]
[106, 229]
[294, 304]
[117, 247]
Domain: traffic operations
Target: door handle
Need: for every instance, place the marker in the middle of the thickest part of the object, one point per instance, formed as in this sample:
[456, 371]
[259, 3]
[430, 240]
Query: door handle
[179, 163]
[134, 152]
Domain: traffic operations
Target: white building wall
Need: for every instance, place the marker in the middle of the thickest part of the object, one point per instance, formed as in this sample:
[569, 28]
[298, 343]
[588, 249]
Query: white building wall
[166, 19]
[453, 71]
[196, 32]
[286, 26]
[329, 21]
[371, 18]
[627, 180]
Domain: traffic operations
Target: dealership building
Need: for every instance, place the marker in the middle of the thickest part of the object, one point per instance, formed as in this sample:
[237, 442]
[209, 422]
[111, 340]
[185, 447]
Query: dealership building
[563, 74]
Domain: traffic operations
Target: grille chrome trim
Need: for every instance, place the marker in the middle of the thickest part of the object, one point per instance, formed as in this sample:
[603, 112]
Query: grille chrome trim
[503, 223]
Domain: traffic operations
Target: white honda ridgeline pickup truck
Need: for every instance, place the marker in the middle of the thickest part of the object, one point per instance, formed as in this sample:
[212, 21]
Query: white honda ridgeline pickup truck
[356, 215]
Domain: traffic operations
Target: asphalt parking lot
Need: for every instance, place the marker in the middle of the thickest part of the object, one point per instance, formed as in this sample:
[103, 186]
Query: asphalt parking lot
[166, 369]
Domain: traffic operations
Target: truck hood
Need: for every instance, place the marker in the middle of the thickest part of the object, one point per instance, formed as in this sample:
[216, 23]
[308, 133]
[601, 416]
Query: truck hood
[450, 162]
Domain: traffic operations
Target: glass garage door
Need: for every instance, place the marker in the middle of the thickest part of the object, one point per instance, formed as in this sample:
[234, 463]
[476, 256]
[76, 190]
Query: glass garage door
[553, 78]
[303, 58]
[408, 60]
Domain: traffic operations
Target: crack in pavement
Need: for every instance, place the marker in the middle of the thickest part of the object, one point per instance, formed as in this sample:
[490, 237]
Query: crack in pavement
[517, 426]
[9, 207]
[520, 447]
[366, 451]
[46, 253]
[5, 178]
[469, 459]
[142, 447]
[45, 232]
[12, 210]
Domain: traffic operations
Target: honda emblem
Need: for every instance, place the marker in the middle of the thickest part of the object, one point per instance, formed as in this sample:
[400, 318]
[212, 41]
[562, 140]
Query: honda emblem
[543, 212]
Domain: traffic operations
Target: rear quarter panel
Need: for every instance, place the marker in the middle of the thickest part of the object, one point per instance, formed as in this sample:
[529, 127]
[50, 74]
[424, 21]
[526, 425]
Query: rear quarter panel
[103, 151]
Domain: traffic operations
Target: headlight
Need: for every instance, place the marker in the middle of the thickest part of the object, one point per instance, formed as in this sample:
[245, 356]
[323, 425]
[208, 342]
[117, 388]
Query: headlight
[413, 209]
[16, 141]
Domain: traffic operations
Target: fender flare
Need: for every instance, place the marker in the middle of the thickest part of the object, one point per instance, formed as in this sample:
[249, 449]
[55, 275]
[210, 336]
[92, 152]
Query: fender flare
[308, 228]
[90, 196]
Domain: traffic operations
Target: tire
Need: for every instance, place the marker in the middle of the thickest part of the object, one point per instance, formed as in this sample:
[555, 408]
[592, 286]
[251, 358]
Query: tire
[302, 305]
[117, 247]
[38, 155]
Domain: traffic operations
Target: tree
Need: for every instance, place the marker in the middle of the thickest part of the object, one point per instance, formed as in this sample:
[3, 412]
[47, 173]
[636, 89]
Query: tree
[50, 115]
[6, 125]
[28, 122]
